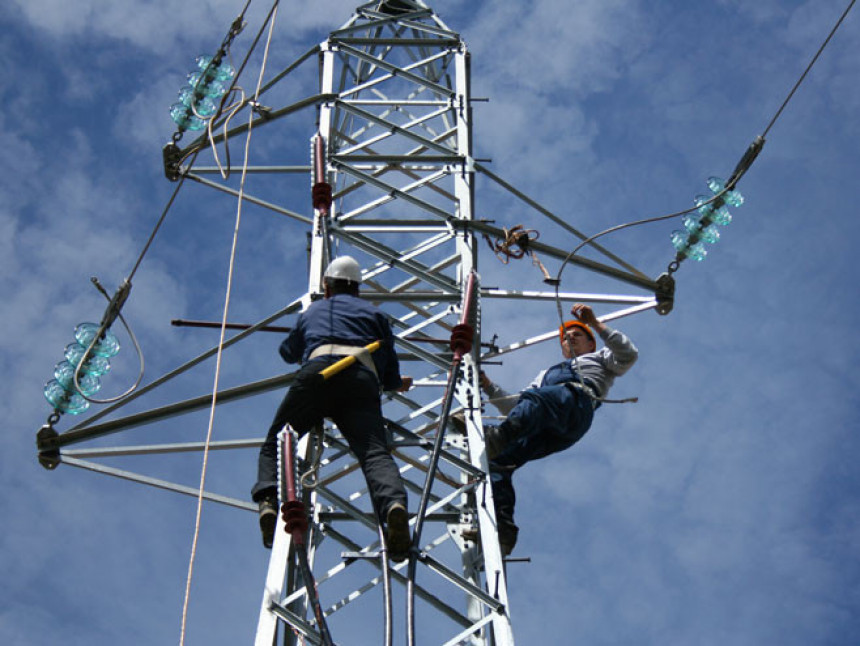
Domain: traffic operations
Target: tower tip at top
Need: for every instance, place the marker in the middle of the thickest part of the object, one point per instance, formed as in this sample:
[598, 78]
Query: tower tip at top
[397, 7]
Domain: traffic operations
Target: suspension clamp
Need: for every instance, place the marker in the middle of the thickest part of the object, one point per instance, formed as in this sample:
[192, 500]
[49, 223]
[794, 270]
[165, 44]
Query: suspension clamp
[46, 442]
[665, 293]
[171, 155]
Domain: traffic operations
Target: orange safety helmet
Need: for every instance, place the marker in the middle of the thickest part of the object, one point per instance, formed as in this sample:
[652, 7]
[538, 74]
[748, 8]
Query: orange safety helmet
[569, 324]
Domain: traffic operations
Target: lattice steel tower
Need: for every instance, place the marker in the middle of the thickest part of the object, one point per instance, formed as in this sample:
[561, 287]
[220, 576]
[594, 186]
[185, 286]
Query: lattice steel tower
[393, 140]
[395, 145]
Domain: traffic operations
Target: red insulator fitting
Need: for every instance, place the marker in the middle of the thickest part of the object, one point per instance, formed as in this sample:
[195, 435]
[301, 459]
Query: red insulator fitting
[321, 196]
[461, 338]
[296, 519]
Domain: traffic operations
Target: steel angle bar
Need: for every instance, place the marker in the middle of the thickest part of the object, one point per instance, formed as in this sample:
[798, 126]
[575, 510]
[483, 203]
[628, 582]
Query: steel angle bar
[251, 170]
[250, 198]
[434, 601]
[305, 628]
[403, 227]
[630, 311]
[392, 192]
[393, 258]
[583, 297]
[437, 517]
[425, 245]
[414, 153]
[453, 460]
[398, 159]
[171, 410]
[466, 586]
[462, 637]
[155, 449]
[411, 23]
[442, 30]
[353, 466]
[379, 19]
[373, 204]
[419, 351]
[546, 336]
[372, 84]
[311, 101]
[419, 465]
[418, 151]
[389, 132]
[355, 513]
[425, 312]
[446, 500]
[289, 69]
[411, 281]
[559, 221]
[396, 103]
[431, 243]
[393, 127]
[411, 300]
[396, 70]
[441, 476]
[157, 483]
[560, 254]
[289, 309]
[430, 320]
[417, 410]
[409, 297]
[405, 42]
[371, 583]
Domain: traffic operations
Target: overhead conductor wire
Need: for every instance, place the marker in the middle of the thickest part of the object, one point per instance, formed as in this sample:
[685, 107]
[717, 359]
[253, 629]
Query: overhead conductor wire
[741, 168]
[271, 20]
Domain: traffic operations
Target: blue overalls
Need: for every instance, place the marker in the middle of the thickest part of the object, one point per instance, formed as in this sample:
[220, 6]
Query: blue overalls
[350, 398]
[545, 420]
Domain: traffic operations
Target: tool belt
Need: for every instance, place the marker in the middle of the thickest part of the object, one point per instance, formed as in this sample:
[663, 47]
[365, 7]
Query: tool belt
[361, 354]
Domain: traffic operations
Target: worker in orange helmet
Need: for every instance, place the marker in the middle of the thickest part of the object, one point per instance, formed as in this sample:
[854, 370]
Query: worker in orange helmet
[555, 411]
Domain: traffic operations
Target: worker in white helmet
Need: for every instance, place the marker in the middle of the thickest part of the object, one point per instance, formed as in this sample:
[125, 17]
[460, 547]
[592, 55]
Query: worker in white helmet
[341, 325]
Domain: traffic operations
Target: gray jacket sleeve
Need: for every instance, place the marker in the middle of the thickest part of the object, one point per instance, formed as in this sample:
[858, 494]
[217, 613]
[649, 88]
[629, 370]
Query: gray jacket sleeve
[501, 399]
[622, 353]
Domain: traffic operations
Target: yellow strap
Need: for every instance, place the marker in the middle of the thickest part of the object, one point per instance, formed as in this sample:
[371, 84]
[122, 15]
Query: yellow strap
[346, 362]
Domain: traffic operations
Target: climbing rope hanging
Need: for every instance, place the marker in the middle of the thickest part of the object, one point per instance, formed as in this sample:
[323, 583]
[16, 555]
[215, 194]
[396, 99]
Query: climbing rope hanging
[271, 23]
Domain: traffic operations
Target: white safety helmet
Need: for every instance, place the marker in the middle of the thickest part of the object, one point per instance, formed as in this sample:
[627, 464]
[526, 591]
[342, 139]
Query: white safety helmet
[344, 268]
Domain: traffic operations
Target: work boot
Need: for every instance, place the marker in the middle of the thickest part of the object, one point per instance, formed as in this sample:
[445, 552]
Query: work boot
[508, 533]
[457, 423]
[268, 519]
[398, 539]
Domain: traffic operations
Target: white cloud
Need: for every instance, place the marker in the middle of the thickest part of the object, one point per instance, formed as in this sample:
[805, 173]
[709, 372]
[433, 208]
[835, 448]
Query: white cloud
[720, 509]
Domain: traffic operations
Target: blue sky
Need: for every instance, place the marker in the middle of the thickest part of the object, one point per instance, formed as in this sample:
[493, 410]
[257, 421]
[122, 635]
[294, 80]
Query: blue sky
[721, 509]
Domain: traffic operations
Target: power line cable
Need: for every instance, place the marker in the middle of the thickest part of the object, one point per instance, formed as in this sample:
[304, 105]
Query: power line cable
[740, 169]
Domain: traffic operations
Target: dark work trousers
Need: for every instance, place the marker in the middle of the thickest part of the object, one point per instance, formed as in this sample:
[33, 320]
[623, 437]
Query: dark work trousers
[351, 400]
[544, 421]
